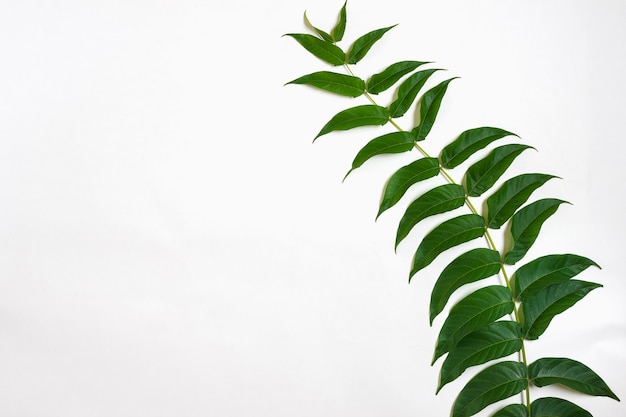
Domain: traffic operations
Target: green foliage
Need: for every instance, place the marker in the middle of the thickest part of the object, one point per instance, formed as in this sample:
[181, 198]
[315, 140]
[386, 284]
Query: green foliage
[404, 178]
[482, 175]
[345, 85]
[407, 92]
[366, 115]
[471, 266]
[497, 382]
[570, 373]
[386, 79]
[438, 200]
[493, 323]
[361, 46]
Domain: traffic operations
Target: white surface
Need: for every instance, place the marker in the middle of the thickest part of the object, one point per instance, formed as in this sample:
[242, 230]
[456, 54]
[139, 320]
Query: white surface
[171, 244]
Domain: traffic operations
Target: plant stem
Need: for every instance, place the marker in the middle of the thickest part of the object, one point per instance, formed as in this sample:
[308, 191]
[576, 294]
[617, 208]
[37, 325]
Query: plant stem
[490, 242]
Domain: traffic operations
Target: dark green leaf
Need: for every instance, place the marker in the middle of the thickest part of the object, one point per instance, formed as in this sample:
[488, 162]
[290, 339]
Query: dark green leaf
[539, 310]
[571, 373]
[556, 407]
[473, 312]
[526, 225]
[438, 200]
[497, 382]
[407, 92]
[472, 266]
[445, 236]
[340, 27]
[513, 410]
[361, 46]
[345, 85]
[494, 341]
[366, 115]
[406, 176]
[395, 142]
[547, 270]
[322, 49]
[383, 80]
[429, 108]
[511, 195]
[483, 174]
[324, 35]
[468, 143]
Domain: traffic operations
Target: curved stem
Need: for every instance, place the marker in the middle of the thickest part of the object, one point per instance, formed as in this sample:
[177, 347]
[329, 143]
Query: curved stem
[490, 242]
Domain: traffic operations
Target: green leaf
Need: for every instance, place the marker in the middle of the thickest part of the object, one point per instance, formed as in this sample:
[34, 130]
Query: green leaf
[366, 115]
[395, 142]
[438, 200]
[383, 80]
[510, 196]
[513, 410]
[526, 225]
[539, 310]
[473, 312]
[483, 174]
[571, 373]
[445, 236]
[340, 27]
[497, 382]
[406, 176]
[494, 341]
[361, 46]
[407, 92]
[324, 35]
[538, 274]
[345, 85]
[556, 407]
[429, 108]
[471, 266]
[468, 143]
[324, 50]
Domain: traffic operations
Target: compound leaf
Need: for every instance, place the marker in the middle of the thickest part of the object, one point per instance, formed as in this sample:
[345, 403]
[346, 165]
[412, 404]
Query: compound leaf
[361, 46]
[395, 142]
[526, 225]
[324, 50]
[513, 410]
[429, 108]
[471, 266]
[390, 75]
[407, 92]
[494, 341]
[539, 310]
[406, 176]
[556, 407]
[438, 200]
[445, 236]
[482, 175]
[546, 270]
[468, 143]
[510, 196]
[345, 85]
[366, 115]
[473, 312]
[340, 27]
[571, 373]
[497, 382]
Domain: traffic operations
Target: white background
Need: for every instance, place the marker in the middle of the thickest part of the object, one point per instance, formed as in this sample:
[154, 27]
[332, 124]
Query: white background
[171, 244]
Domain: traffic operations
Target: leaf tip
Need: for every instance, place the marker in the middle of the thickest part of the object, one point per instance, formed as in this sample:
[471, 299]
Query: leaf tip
[321, 133]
